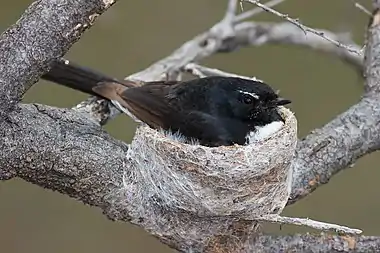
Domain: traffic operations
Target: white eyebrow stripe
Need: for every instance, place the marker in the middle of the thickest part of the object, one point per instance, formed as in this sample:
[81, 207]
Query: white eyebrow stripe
[251, 94]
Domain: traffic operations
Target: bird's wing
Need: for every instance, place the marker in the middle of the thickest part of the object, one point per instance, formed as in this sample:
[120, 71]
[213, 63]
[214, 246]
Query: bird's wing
[149, 103]
[208, 129]
[165, 83]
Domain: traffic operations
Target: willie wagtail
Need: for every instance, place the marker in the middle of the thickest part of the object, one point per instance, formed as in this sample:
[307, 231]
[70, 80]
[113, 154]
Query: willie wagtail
[213, 110]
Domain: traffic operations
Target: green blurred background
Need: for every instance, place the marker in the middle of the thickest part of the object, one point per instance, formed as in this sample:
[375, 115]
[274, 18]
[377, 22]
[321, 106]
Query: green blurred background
[134, 34]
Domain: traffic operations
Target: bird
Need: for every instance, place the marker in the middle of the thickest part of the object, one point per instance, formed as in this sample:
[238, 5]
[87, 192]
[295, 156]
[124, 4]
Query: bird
[213, 111]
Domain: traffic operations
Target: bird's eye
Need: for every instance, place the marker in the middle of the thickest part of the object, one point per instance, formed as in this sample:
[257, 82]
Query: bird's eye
[247, 99]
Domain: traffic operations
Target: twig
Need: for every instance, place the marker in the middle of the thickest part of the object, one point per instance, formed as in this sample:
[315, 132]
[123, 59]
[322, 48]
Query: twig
[257, 34]
[202, 71]
[257, 10]
[194, 71]
[273, 218]
[362, 8]
[303, 27]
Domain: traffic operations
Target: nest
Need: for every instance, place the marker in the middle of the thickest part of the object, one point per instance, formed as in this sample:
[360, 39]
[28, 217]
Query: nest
[247, 181]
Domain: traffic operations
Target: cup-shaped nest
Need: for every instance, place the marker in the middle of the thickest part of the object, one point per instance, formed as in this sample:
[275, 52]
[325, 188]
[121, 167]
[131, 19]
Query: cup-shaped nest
[248, 181]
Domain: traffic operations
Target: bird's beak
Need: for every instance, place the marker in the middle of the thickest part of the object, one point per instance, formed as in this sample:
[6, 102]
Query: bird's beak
[281, 101]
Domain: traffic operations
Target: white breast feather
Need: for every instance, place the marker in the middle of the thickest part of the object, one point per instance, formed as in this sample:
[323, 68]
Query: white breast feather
[264, 132]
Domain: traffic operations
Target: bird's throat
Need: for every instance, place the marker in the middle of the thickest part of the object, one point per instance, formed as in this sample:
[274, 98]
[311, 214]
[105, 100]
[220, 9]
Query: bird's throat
[263, 132]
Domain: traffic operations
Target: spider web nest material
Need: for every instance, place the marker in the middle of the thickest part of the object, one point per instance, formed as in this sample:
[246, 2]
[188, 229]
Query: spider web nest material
[247, 181]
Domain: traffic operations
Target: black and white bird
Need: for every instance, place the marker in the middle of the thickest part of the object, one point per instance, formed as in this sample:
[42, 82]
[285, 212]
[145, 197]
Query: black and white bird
[213, 111]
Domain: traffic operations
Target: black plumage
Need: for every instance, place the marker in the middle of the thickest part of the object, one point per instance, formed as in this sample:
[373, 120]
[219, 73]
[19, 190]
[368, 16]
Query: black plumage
[213, 110]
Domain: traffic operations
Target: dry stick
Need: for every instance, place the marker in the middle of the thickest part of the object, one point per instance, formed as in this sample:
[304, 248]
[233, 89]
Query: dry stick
[257, 10]
[309, 223]
[361, 7]
[202, 71]
[303, 27]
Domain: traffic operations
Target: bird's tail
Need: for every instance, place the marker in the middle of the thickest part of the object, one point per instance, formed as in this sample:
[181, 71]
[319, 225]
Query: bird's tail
[76, 77]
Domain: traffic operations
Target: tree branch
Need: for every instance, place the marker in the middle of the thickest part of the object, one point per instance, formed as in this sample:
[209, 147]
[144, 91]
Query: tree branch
[372, 62]
[44, 33]
[354, 133]
[303, 27]
[316, 243]
[257, 34]
[336, 146]
[62, 150]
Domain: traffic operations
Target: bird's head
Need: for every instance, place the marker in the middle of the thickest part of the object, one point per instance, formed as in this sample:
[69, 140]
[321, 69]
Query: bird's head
[252, 101]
